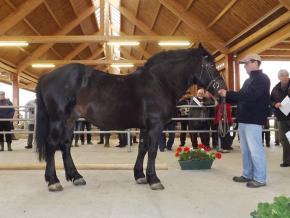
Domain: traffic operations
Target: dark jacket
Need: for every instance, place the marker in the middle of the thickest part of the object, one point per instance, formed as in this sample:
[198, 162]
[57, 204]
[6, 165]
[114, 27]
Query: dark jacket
[253, 99]
[183, 111]
[202, 112]
[277, 95]
[6, 112]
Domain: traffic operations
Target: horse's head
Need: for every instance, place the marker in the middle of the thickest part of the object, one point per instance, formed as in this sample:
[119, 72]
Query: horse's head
[208, 76]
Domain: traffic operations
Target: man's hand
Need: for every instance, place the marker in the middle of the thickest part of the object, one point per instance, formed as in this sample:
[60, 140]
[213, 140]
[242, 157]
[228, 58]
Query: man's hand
[222, 92]
[278, 104]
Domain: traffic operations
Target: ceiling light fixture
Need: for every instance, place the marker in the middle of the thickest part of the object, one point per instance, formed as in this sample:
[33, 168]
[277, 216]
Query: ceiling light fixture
[13, 43]
[174, 43]
[122, 65]
[43, 65]
[124, 43]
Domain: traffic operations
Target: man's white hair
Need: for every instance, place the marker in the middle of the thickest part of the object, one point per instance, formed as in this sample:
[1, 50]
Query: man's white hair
[283, 72]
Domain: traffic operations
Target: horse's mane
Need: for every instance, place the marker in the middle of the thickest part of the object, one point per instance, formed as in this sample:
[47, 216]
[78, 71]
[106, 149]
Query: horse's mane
[169, 55]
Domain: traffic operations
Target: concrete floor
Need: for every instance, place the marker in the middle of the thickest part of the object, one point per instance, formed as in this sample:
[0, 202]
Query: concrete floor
[114, 193]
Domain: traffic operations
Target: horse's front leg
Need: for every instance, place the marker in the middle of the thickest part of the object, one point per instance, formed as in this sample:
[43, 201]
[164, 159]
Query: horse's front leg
[143, 148]
[153, 136]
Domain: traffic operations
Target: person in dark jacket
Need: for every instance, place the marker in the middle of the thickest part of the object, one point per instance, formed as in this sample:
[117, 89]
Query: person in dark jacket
[5, 113]
[199, 111]
[279, 92]
[183, 113]
[252, 110]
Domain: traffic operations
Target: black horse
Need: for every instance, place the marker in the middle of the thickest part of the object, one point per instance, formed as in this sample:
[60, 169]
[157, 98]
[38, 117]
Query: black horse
[145, 99]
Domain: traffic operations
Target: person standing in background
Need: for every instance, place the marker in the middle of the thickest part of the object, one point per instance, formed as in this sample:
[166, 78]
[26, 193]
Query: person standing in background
[5, 113]
[279, 92]
[30, 114]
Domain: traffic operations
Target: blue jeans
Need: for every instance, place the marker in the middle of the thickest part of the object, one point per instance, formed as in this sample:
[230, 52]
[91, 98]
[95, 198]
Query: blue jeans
[162, 139]
[254, 158]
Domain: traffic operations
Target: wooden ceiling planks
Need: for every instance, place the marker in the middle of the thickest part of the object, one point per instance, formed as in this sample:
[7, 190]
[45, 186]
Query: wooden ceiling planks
[251, 21]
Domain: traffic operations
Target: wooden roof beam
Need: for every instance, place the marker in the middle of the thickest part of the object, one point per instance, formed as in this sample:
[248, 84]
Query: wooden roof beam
[222, 13]
[91, 62]
[268, 42]
[261, 32]
[91, 38]
[286, 3]
[96, 54]
[21, 12]
[140, 24]
[180, 20]
[44, 48]
[195, 23]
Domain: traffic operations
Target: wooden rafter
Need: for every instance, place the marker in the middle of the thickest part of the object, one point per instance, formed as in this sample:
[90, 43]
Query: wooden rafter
[32, 28]
[261, 32]
[21, 12]
[43, 48]
[134, 27]
[90, 38]
[195, 23]
[222, 13]
[96, 54]
[258, 21]
[286, 3]
[269, 41]
[91, 62]
[189, 4]
[140, 24]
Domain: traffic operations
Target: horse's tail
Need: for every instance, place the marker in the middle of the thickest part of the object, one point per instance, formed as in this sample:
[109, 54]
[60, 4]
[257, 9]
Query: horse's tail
[42, 125]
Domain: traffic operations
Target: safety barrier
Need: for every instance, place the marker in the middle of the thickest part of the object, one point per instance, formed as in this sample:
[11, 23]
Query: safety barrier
[128, 132]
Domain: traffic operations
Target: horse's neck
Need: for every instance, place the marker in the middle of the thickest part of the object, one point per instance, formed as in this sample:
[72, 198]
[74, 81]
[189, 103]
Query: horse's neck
[177, 82]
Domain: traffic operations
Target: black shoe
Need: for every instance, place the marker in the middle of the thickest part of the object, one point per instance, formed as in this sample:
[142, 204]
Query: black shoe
[268, 145]
[28, 146]
[255, 184]
[120, 146]
[284, 165]
[89, 143]
[241, 179]
[169, 148]
[162, 150]
[100, 142]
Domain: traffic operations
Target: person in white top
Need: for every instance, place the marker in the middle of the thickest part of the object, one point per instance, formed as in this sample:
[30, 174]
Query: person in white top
[30, 114]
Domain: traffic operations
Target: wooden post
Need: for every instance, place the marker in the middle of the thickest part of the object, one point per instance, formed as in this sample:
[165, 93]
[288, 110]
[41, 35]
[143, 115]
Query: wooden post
[237, 75]
[15, 88]
[229, 68]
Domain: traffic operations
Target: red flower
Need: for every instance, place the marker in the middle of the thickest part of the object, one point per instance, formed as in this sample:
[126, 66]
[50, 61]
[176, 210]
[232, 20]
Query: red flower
[206, 148]
[218, 155]
[177, 154]
[200, 146]
[186, 149]
[179, 149]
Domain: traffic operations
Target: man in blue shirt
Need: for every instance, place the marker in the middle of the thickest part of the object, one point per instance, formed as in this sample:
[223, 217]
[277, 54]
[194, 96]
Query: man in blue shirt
[252, 110]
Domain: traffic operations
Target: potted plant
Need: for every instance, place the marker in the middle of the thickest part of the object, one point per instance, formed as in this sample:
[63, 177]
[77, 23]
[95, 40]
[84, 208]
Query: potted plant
[194, 159]
[280, 208]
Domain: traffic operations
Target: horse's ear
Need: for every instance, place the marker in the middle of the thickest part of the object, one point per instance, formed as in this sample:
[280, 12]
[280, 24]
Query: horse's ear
[200, 46]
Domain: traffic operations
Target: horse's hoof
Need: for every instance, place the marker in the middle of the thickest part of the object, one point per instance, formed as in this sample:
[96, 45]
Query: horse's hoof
[55, 187]
[157, 186]
[79, 181]
[141, 180]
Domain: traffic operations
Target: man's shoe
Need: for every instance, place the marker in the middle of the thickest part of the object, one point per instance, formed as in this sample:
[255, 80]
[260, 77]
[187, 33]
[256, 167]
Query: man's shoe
[28, 146]
[90, 143]
[284, 165]
[255, 184]
[100, 142]
[241, 179]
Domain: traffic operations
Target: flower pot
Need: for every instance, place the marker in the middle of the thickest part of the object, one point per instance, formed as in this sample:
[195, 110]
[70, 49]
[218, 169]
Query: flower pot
[195, 164]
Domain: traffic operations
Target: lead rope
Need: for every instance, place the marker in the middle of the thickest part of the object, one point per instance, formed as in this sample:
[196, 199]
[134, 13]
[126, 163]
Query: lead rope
[223, 125]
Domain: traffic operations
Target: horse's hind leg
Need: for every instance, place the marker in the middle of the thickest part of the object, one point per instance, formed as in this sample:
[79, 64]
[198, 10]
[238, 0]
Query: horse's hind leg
[152, 178]
[50, 173]
[70, 169]
[143, 148]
